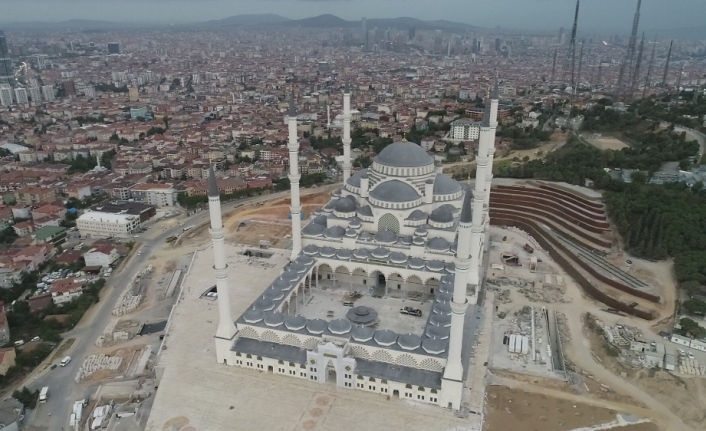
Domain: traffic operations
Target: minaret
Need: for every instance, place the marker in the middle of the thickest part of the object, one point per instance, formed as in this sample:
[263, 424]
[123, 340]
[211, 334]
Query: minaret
[226, 328]
[328, 116]
[294, 176]
[495, 99]
[346, 132]
[479, 197]
[453, 373]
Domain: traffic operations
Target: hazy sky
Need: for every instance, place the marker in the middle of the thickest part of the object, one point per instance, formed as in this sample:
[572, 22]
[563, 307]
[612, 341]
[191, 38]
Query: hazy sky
[608, 15]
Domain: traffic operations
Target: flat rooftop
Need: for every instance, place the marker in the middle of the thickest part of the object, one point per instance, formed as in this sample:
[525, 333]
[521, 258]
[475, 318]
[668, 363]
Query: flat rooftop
[198, 392]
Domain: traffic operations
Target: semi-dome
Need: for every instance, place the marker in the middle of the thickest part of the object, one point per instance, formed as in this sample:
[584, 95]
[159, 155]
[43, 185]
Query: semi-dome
[417, 215]
[313, 229]
[443, 214]
[444, 185]
[354, 180]
[394, 191]
[335, 232]
[404, 155]
[345, 205]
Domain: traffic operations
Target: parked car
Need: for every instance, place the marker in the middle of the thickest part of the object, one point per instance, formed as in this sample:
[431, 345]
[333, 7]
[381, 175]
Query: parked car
[411, 311]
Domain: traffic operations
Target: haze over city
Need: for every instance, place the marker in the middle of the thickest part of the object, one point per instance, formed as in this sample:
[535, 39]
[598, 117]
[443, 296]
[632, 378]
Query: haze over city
[350, 215]
[597, 15]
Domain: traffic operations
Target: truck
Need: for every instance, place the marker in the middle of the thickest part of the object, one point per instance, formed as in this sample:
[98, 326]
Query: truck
[186, 228]
[528, 248]
[65, 361]
[43, 394]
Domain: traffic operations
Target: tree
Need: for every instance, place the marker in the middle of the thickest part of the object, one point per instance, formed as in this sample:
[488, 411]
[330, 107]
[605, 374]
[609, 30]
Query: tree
[26, 397]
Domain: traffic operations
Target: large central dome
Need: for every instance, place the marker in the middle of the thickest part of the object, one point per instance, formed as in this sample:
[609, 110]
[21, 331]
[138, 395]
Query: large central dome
[404, 155]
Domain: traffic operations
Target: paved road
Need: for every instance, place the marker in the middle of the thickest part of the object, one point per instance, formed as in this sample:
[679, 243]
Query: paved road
[63, 391]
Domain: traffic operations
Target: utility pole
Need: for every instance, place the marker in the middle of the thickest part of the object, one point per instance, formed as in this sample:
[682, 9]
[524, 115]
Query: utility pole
[666, 66]
[648, 78]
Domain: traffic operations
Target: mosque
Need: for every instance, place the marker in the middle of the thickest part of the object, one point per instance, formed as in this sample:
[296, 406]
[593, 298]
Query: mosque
[399, 232]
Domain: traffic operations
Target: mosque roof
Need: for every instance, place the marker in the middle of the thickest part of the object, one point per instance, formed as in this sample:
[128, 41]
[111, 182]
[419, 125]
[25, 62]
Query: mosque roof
[444, 185]
[404, 154]
[354, 180]
[395, 191]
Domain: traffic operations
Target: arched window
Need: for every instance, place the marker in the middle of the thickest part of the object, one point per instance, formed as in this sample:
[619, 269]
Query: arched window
[389, 222]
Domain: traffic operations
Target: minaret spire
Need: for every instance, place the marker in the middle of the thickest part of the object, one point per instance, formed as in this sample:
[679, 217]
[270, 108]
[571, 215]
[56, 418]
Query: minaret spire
[493, 124]
[226, 328]
[294, 176]
[346, 132]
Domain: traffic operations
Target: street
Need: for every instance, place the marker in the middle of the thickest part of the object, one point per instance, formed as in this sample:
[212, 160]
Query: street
[63, 391]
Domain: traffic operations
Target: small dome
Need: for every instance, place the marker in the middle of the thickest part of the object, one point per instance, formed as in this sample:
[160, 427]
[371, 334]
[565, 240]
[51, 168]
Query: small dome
[365, 236]
[362, 334]
[440, 332]
[438, 244]
[339, 326]
[322, 220]
[295, 323]
[282, 284]
[305, 260]
[420, 231]
[409, 341]
[354, 223]
[365, 211]
[386, 237]
[385, 337]
[362, 315]
[344, 254]
[398, 258]
[263, 304]
[273, 293]
[434, 346]
[404, 154]
[289, 275]
[406, 240]
[418, 240]
[416, 263]
[253, 315]
[443, 214]
[274, 319]
[313, 229]
[327, 252]
[380, 253]
[345, 205]
[435, 265]
[354, 180]
[311, 249]
[361, 253]
[316, 326]
[442, 320]
[297, 267]
[443, 185]
[441, 308]
[335, 232]
[351, 233]
[417, 215]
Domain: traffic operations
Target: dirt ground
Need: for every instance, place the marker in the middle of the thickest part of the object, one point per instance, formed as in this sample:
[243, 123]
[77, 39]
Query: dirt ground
[268, 221]
[508, 409]
[607, 143]
[645, 426]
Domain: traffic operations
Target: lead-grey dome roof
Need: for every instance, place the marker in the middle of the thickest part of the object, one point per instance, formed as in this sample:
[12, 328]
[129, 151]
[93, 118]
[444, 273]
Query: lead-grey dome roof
[339, 326]
[253, 315]
[274, 319]
[345, 205]
[404, 155]
[444, 185]
[335, 232]
[365, 211]
[385, 337]
[417, 215]
[438, 243]
[295, 323]
[354, 180]
[443, 214]
[394, 191]
[409, 341]
[316, 326]
[313, 229]
[434, 346]
[363, 333]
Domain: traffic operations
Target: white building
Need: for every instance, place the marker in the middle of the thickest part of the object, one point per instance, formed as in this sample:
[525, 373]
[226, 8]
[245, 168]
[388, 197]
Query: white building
[21, 96]
[161, 195]
[48, 93]
[464, 130]
[35, 93]
[5, 95]
[397, 230]
[102, 255]
[95, 224]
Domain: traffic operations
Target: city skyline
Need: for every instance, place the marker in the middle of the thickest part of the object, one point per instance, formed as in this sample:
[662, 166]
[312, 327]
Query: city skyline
[509, 14]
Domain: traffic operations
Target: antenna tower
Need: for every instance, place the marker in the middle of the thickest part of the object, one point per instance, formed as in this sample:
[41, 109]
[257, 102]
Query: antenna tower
[629, 57]
[638, 65]
[649, 69]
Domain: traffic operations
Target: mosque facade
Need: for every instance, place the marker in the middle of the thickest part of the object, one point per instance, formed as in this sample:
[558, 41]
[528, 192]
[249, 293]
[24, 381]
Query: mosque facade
[398, 229]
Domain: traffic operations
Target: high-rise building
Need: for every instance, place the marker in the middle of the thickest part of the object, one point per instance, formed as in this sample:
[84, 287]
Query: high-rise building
[5, 95]
[562, 36]
[35, 93]
[21, 96]
[6, 73]
[69, 88]
[113, 48]
[133, 93]
[364, 23]
[48, 93]
[89, 92]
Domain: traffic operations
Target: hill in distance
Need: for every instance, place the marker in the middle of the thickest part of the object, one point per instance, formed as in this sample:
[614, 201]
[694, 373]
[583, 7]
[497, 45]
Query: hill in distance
[248, 20]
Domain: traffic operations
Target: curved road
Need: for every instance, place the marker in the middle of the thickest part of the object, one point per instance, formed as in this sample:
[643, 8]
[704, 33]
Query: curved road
[63, 391]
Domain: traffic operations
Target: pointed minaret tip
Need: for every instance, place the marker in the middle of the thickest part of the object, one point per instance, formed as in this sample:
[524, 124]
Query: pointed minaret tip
[496, 90]
[347, 87]
[212, 184]
[486, 115]
[466, 213]
[292, 106]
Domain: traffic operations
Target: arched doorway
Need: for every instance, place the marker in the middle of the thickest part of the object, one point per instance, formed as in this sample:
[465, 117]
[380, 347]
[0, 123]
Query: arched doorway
[389, 222]
[415, 286]
[431, 286]
[378, 284]
[342, 278]
[325, 275]
[360, 277]
[396, 393]
[331, 375]
[395, 285]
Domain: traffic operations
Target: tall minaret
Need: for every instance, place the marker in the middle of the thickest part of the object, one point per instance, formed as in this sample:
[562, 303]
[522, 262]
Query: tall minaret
[294, 176]
[226, 328]
[491, 152]
[453, 373]
[346, 132]
[479, 193]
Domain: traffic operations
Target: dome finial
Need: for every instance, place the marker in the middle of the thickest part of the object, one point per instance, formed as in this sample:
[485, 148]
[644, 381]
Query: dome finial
[404, 137]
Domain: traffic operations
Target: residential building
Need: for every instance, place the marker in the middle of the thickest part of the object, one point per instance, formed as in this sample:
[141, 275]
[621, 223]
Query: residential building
[48, 93]
[65, 289]
[50, 234]
[69, 88]
[4, 327]
[5, 95]
[161, 195]
[23, 228]
[21, 96]
[33, 195]
[35, 93]
[101, 255]
[96, 224]
[133, 93]
[464, 130]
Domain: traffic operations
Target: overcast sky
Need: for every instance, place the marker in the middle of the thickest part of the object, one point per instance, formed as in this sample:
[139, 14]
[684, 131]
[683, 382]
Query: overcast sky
[605, 15]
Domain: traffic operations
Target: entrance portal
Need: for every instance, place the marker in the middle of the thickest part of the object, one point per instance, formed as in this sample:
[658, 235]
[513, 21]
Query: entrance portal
[381, 280]
[330, 374]
[270, 369]
[396, 393]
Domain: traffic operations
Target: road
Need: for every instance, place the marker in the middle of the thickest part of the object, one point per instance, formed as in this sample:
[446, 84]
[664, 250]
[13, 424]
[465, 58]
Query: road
[63, 391]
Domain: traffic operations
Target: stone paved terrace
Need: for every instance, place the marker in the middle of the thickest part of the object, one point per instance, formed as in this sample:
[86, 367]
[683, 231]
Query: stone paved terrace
[197, 392]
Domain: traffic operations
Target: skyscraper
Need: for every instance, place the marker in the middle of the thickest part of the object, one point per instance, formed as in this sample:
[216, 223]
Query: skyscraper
[5, 63]
[113, 48]
[364, 23]
[35, 93]
[21, 96]
[48, 93]
[69, 88]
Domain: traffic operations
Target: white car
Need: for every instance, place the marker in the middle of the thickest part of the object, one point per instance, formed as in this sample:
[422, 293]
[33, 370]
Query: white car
[681, 352]
[690, 355]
